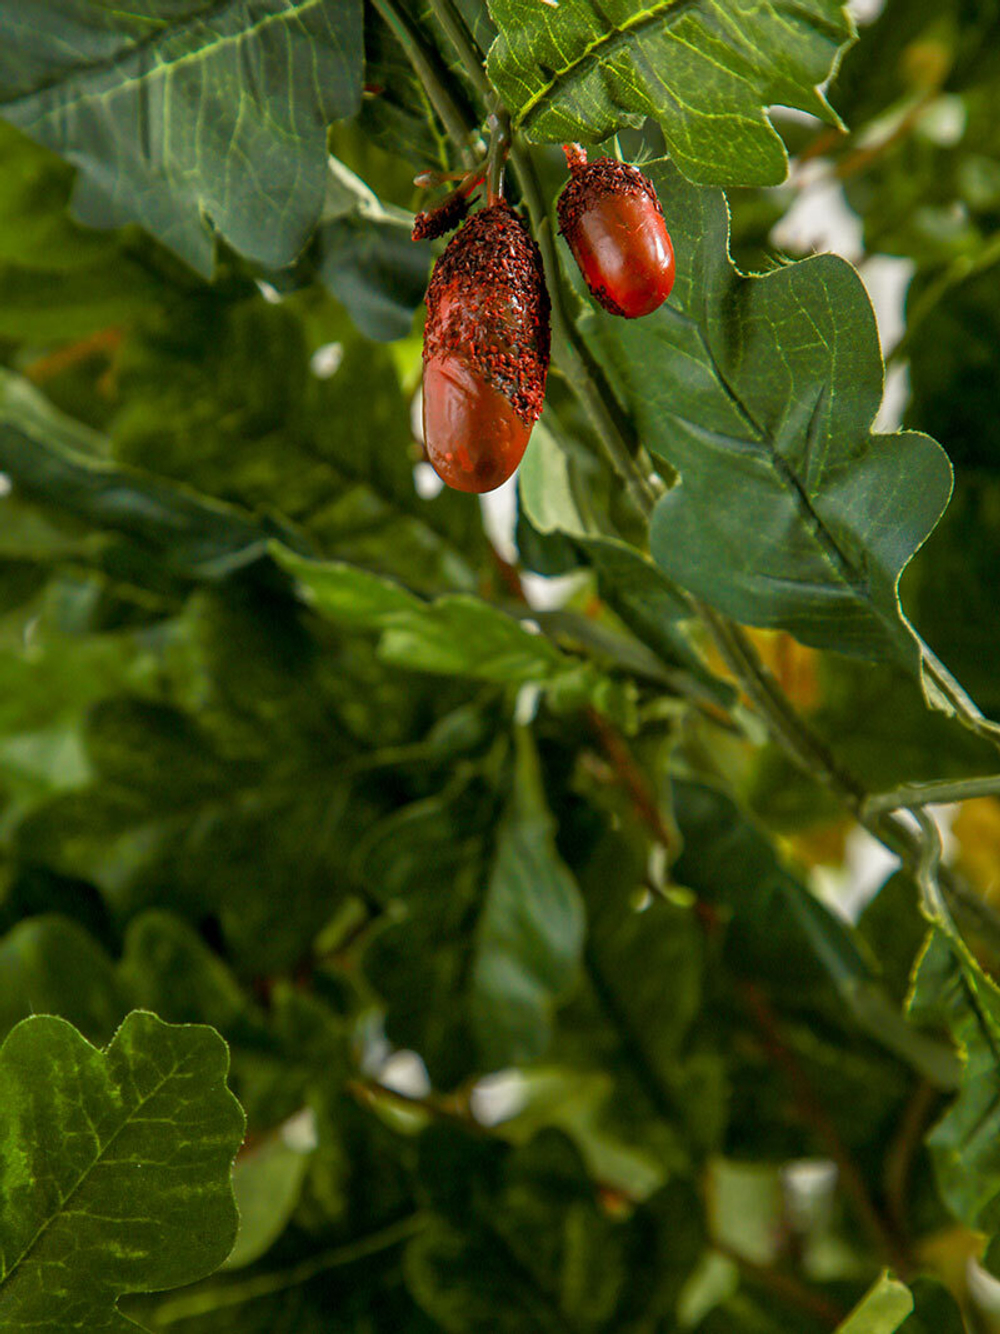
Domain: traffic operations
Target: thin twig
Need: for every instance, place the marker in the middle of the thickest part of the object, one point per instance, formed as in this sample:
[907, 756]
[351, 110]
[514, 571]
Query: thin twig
[218, 1298]
[902, 1151]
[786, 1287]
[815, 1115]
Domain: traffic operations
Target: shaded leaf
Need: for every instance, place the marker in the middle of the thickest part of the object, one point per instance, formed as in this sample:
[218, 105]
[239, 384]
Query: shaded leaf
[453, 635]
[267, 1182]
[530, 937]
[368, 259]
[172, 119]
[491, 928]
[50, 965]
[56, 461]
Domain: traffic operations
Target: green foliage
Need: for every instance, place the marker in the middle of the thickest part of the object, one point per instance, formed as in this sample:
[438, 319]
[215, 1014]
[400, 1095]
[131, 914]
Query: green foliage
[705, 73]
[529, 921]
[761, 392]
[80, 1128]
[173, 119]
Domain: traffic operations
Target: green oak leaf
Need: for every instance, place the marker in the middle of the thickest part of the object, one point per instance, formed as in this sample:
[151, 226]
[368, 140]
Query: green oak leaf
[761, 392]
[705, 69]
[114, 1168]
[949, 987]
[457, 634]
[185, 117]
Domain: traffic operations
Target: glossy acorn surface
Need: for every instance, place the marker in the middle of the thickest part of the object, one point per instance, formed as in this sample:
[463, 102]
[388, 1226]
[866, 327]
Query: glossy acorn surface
[473, 436]
[486, 351]
[611, 218]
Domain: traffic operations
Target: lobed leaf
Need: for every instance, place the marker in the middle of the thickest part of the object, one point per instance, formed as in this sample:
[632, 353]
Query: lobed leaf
[704, 69]
[187, 118]
[114, 1168]
[761, 392]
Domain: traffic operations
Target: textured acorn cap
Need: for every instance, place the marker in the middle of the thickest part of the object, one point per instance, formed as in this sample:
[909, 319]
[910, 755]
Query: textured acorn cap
[488, 304]
[443, 218]
[590, 182]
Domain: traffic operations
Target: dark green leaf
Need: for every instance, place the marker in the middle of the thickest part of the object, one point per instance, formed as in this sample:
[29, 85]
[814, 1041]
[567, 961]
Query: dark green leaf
[761, 392]
[173, 119]
[81, 1128]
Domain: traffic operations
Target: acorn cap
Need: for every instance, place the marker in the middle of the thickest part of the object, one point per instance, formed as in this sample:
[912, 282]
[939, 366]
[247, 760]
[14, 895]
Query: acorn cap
[590, 182]
[444, 217]
[488, 304]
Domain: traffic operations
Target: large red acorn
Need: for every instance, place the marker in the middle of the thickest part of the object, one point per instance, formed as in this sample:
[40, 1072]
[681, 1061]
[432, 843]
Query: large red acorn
[486, 350]
[611, 217]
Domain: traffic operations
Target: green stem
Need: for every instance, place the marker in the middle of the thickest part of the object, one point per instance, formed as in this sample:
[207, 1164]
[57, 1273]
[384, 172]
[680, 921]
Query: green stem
[925, 794]
[499, 147]
[453, 26]
[448, 111]
[218, 1298]
[955, 696]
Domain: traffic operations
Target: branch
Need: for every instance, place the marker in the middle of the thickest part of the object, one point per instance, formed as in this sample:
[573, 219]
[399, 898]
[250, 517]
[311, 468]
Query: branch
[814, 1114]
[786, 1287]
[439, 94]
[927, 794]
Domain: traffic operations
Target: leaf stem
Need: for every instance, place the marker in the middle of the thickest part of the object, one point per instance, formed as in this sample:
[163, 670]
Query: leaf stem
[926, 794]
[265, 1285]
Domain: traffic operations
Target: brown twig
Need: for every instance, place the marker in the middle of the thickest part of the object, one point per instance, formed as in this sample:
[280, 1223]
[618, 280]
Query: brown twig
[902, 1151]
[103, 343]
[814, 1114]
[786, 1287]
[632, 779]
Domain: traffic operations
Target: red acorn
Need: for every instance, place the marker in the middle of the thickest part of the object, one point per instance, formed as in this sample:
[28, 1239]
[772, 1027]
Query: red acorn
[486, 350]
[611, 217]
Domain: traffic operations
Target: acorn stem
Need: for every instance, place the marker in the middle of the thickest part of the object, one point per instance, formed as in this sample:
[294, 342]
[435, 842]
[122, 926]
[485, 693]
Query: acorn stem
[499, 124]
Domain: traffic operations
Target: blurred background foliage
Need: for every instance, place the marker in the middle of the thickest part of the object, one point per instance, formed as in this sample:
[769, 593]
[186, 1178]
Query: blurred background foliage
[558, 998]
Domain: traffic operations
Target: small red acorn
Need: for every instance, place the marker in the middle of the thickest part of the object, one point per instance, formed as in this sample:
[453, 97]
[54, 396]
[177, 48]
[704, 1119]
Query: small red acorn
[446, 216]
[486, 350]
[611, 217]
